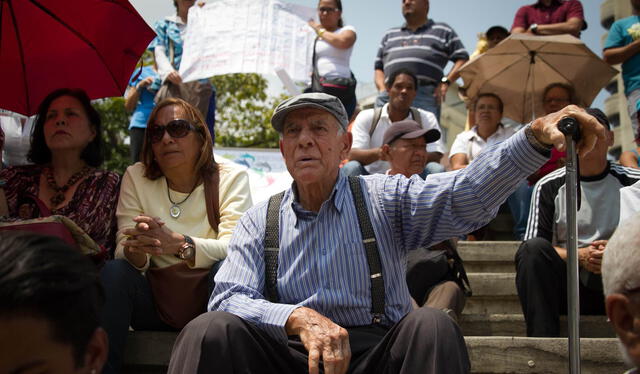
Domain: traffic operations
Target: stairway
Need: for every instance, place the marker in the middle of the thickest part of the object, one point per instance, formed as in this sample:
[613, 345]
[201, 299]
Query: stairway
[492, 323]
[494, 326]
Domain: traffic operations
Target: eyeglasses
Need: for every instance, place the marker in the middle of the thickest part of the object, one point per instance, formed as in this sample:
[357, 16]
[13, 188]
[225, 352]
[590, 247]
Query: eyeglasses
[556, 100]
[177, 128]
[326, 9]
[486, 107]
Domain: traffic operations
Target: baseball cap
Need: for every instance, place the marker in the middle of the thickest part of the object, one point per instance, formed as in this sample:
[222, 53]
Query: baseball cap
[316, 100]
[409, 129]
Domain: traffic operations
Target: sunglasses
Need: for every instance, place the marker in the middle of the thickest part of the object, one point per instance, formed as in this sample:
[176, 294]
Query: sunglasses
[177, 128]
[326, 9]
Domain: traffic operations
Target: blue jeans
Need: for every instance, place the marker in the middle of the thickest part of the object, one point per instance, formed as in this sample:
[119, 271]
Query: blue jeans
[519, 202]
[424, 100]
[128, 302]
[354, 168]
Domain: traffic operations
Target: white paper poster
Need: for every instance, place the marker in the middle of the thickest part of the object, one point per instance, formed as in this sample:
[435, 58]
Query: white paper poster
[247, 36]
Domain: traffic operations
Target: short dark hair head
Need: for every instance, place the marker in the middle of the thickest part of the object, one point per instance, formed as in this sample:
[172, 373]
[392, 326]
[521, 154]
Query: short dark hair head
[496, 30]
[567, 87]
[93, 154]
[41, 276]
[405, 71]
[489, 94]
[205, 165]
[600, 116]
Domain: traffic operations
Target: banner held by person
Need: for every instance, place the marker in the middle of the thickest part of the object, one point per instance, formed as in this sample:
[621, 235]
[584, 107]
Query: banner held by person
[247, 36]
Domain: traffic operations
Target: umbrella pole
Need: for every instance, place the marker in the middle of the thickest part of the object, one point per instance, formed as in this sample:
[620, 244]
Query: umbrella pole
[570, 128]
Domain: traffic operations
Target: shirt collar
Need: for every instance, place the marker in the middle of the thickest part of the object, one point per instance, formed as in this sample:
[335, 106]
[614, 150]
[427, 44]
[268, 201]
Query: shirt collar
[554, 3]
[337, 199]
[426, 25]
[175, 19]
[498, 131]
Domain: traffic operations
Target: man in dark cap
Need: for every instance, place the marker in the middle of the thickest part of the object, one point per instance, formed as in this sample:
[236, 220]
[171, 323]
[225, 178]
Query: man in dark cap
[316, 279]
[404, 147]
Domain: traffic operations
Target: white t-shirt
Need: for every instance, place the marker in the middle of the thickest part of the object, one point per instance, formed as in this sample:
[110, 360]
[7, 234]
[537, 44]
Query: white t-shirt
[362, 126]
[629, 201]
[332, 61]
[472, 144]
[17, 138]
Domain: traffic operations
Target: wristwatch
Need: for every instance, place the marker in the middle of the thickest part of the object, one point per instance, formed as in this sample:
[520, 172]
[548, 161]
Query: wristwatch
[445, 80]
[188, 250]
[534, 28]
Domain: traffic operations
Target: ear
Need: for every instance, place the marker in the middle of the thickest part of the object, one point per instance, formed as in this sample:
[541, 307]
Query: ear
[386, 154]
[623, 316]
[280, 146]
[97, 351]
[347, 140]
[93, 133]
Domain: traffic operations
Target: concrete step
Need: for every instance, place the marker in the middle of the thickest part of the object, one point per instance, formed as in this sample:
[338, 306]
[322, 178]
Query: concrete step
[516, 355]
[488, 256]
[514, 325]
[149, 352]
[493, 293]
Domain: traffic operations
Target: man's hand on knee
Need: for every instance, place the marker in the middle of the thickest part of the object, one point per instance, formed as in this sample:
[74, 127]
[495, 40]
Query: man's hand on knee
[323, 339]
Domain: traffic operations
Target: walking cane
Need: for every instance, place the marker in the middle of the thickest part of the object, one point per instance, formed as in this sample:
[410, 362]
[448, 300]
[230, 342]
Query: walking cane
[570, 128]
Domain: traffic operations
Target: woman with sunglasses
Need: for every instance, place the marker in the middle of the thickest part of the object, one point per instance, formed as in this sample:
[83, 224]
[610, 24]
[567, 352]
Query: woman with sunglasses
[332, 53]
[163, 220]
[65, 179]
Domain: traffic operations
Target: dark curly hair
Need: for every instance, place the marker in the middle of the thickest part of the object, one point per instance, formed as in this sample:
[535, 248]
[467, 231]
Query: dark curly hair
[93, 154]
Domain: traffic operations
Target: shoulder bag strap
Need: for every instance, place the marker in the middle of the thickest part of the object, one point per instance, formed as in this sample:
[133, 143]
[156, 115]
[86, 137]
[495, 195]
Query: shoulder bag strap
[314, 63]
[371, 247]
[212, 198]
[272, 247]
[377, 113]
[415, 113]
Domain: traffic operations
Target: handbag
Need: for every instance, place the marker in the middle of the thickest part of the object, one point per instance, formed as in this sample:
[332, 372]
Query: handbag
[339, 87]
[427, 267]
[180, 292]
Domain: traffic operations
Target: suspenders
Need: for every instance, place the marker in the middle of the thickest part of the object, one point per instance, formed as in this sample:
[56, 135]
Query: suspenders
[272, 247]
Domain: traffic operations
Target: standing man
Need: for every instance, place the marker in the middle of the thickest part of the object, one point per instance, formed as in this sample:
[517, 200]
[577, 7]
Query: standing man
[366, 156]
[550, 17]
[335, 296]
[424, 47]
[623, 47]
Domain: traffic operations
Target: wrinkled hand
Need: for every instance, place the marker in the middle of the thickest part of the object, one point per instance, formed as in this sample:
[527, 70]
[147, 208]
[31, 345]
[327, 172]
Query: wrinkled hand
[440, 93]
[174, 77]
[323, 339]
[546, 130]
[150, 235]
[591, 256]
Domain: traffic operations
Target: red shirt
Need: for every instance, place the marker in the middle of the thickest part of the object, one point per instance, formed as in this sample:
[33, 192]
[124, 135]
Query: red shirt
[559, 11]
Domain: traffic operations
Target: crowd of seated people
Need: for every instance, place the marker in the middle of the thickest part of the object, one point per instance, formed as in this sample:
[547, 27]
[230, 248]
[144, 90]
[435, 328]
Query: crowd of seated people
[170, 221]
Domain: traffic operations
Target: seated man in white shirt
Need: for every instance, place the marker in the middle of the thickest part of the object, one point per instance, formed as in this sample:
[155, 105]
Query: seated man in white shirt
[366, 156]
[488, 131]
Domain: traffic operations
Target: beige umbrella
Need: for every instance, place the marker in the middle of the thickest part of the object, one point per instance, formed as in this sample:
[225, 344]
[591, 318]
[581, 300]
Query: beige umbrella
[521, 66]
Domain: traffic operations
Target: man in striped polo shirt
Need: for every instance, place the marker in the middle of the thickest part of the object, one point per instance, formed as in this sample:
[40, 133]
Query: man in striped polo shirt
[423, 46]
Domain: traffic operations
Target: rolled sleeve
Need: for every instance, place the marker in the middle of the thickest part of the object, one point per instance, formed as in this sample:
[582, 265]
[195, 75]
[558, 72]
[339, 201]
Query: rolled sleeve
[360, 130]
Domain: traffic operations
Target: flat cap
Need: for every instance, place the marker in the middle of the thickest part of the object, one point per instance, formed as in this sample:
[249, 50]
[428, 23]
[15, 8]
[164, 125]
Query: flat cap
[316, 100]
[409, 129]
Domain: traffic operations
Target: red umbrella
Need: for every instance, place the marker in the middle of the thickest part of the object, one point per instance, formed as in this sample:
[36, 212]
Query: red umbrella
[50, 44]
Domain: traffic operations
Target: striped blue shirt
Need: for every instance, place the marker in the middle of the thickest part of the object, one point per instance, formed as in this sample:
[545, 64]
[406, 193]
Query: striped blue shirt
[424, 51]
[322, 263]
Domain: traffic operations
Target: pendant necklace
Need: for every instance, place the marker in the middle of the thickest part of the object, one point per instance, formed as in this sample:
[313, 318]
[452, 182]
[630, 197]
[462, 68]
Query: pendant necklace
[175, 209]
[58, 196]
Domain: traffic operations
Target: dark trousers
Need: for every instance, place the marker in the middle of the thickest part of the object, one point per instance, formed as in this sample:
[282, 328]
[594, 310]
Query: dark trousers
[136, 138]
[425, 341]
[541, 280]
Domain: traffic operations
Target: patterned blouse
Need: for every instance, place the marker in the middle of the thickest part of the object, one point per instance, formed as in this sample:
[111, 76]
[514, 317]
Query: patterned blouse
[92, 207]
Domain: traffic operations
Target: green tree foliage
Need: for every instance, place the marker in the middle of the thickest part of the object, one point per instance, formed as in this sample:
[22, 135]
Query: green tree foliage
[244, 111]
[115, 121]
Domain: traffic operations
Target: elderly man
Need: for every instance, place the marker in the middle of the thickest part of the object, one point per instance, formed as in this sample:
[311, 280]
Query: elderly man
[541, 270]
[621, 282]
[425, 47]
[319, 281]
[368, 129]
[550, 17]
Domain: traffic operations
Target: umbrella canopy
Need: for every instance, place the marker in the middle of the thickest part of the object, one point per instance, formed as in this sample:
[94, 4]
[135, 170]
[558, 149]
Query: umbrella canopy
[522, 66]
[51, 44]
